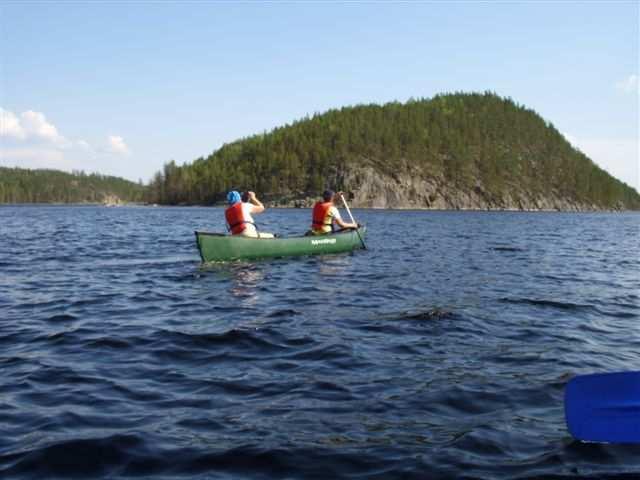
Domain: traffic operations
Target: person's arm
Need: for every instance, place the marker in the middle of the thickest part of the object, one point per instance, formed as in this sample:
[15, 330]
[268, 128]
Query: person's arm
[258, 207]
[341, 223]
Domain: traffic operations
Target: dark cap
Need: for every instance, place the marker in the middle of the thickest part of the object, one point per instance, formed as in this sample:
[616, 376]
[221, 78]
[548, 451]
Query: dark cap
[327, 196]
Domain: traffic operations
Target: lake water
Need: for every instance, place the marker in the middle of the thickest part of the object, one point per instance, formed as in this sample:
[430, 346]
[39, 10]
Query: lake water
[442, 351]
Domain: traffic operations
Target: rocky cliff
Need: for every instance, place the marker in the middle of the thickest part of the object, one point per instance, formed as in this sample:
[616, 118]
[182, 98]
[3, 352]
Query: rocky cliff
[368, 187]
[373, 189]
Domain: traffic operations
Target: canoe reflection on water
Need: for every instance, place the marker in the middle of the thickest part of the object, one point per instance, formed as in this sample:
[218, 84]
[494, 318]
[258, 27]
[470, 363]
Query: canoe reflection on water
[245, 285]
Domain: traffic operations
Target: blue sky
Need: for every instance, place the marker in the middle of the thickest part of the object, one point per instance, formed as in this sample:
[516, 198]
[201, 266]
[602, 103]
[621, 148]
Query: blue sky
[123, 87]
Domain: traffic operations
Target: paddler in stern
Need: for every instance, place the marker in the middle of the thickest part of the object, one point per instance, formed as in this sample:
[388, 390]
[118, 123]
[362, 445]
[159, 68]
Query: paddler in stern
[325, 214]
[238, 214]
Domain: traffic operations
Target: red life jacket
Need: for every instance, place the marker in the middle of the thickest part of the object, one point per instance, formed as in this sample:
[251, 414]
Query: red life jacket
[320, 212]
[235, 218]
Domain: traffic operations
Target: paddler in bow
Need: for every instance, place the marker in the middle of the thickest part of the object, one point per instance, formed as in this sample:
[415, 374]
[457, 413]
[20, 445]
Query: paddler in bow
[238, 214]
[325, 215]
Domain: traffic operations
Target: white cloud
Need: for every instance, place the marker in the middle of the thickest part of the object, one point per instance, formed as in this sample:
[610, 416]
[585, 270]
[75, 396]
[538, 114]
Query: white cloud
[10, 125]
[36, 126]
[29, 140]
[116, 145]
[84, 145]
[629, 84]
[30, 127]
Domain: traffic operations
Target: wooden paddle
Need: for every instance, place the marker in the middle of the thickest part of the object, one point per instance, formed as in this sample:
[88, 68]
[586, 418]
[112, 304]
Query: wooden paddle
[604, 407]
[353, 221]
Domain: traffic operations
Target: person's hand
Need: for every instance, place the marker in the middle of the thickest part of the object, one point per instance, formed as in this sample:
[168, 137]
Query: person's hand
[252, 195]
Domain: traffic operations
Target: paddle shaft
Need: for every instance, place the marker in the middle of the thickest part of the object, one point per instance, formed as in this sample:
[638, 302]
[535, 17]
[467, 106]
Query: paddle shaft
[353, 221]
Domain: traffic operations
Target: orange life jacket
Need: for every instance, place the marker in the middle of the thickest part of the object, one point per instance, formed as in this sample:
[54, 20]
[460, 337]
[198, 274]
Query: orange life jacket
[320, 213]
[235, 218]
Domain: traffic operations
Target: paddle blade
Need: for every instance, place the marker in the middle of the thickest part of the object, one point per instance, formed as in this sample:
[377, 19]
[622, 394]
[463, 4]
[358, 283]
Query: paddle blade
[604, 407]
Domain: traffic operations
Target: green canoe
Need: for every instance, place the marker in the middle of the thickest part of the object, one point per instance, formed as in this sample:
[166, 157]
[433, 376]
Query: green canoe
[219, 247]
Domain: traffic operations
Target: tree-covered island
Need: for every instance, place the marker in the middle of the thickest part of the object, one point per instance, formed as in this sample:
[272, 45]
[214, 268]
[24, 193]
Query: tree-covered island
[463, 150]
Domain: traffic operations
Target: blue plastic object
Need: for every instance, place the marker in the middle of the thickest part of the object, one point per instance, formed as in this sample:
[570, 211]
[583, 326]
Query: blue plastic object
[604, 407]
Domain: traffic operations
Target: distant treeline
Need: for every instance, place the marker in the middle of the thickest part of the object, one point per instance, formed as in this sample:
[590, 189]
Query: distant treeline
[18, 185]
[467, 139]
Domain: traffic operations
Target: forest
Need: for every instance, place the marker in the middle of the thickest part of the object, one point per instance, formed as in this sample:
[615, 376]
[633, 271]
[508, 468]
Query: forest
[465, 139]
[18, 185]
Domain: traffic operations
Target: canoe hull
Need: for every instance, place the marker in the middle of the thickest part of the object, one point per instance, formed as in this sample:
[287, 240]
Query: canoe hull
[216, 247]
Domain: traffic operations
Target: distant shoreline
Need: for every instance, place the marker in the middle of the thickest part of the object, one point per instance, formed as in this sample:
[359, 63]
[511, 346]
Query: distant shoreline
[288, 207]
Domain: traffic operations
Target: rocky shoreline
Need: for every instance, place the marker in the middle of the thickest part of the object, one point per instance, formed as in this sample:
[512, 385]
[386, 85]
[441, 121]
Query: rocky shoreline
[412, 191]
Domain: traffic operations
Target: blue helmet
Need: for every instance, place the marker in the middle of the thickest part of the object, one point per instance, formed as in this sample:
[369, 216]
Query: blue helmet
[233, 197]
